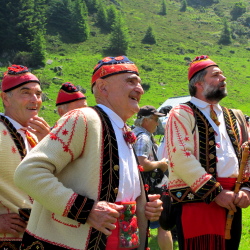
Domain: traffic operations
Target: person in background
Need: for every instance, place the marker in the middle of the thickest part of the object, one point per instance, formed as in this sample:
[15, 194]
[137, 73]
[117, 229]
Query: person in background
[69, 97]
[20, 130]
[204, 141]
[161, 151]
[145, 149]
[87, 187]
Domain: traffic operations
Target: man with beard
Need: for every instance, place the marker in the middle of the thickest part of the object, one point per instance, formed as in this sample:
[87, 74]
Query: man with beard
[203, 145]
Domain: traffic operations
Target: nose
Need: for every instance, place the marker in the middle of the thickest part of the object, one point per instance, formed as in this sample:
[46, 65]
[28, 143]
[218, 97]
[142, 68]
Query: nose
[139, 89]
[34, 98]
[223, 77]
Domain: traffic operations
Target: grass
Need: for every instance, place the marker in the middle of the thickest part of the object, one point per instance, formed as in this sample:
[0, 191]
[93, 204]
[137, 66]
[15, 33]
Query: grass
[245, 239]
[179, 35]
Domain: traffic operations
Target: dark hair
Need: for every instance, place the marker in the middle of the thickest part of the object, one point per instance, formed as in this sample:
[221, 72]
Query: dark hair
[166, 109]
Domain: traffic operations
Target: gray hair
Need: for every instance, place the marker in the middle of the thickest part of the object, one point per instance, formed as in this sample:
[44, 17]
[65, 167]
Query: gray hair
[9, 93]
[198, 77]
[138, 121]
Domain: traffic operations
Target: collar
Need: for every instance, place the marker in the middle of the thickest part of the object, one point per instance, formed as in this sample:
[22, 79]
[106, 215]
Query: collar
[116, 119]
[14, 123]
[203, 105]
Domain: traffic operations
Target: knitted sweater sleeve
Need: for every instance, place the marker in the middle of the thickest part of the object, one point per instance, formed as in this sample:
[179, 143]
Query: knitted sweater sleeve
[183, 151]
[40, 173]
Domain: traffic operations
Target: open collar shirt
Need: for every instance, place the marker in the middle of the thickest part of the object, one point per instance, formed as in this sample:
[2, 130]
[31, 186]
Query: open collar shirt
[129, 183]
[227, 165]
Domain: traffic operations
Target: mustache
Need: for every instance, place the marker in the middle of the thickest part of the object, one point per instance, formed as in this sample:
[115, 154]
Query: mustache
[222, 84]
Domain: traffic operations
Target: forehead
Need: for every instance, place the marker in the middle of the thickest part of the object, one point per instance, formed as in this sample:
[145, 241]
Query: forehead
[124, 77]
[28, 86]
[213, 69]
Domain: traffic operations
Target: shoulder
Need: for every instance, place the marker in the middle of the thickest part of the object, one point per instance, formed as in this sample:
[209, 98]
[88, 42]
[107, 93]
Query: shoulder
[182, 109]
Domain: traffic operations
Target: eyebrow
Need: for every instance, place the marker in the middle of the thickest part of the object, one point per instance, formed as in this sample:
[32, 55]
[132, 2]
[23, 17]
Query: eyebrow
[134, 77]
[26, 88]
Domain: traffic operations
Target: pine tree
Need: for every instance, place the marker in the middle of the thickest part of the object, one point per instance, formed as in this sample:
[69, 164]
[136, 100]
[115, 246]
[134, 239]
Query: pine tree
[112, 16]
[183, 6]
[226, 37]
[9, 18]
[102, 17]
[26, 26]
[119, 37]
[92, 5]
[38, 49]
[164, 8]
[149, 36]
[80, 28]
[60, 17]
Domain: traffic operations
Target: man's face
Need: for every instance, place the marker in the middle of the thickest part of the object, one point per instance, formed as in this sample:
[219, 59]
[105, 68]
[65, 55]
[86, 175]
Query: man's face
[214, 88]
[150, 124]
[123, 94]
[23, 103]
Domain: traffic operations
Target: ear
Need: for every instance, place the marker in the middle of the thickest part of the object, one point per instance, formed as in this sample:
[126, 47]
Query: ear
[199, 85]
[102, 86]
[5, 98]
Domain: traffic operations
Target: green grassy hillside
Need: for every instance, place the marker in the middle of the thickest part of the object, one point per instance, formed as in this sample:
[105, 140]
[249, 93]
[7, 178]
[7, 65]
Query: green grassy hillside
[179, 35]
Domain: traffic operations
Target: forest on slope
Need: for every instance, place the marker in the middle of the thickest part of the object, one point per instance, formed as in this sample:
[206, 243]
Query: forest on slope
[62, 40]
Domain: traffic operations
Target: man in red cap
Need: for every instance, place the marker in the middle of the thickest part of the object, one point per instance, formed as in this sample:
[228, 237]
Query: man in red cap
[84, 176]
[20, 130]
[69, 97]
[203, 141]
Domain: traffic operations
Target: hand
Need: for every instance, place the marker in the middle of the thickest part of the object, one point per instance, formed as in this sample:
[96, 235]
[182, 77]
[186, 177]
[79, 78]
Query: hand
[39, 127]
[12, 224]
[226, 199]
[163, 165]
[154, 207]
[242, 199]
[103, 215]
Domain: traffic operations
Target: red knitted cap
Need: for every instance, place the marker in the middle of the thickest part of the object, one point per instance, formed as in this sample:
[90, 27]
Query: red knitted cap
[198, 64]
[16, 76]
[113, 65]
[68, 93]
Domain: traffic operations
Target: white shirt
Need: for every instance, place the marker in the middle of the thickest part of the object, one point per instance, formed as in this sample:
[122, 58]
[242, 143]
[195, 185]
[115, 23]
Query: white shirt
[19, 127]
[227, 165]
[129, 183]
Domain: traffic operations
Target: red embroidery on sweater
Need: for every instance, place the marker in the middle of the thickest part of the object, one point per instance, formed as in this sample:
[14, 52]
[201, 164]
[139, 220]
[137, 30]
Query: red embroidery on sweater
[64, 223]
[176, 184]
[186, 138]
[174, 149]
[53, 136]
[49, 241]
[69, 204]
[13, 149]
[200, 182]
[66, 148]
[187, 153]
[4, 132]
[65, 132]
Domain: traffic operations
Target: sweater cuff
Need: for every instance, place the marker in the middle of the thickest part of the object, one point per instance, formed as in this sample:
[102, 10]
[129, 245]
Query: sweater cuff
[80, 209]
[209, 191]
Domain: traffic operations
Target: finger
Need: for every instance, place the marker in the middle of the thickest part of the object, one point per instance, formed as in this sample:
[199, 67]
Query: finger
[153, 197]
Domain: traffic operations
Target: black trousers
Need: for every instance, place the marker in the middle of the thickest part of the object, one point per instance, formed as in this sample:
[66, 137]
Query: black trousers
[236, 230]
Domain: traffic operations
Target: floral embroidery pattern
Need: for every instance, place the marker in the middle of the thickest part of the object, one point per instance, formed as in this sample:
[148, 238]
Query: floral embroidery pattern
[129, 232]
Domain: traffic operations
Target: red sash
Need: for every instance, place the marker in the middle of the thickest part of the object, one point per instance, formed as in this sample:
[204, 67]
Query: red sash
[126, 234]
[204, 224]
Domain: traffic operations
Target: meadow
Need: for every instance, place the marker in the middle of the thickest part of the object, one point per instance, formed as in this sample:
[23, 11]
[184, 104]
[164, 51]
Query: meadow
[180, 36]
